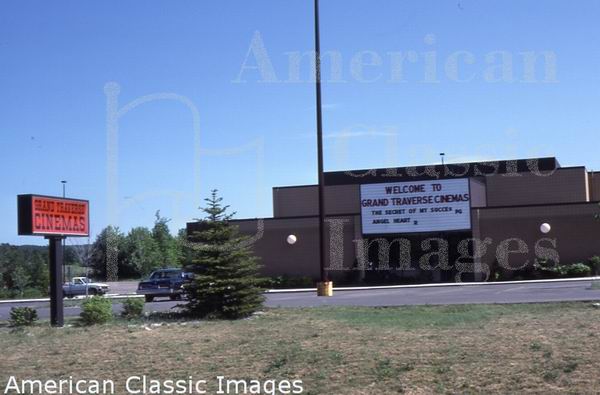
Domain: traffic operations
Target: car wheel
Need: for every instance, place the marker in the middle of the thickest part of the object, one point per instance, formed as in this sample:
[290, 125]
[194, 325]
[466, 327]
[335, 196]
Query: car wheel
[92, 291]
[149, 298]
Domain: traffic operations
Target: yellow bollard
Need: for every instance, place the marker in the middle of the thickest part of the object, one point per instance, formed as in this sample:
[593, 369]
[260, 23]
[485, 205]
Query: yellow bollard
[325, 288]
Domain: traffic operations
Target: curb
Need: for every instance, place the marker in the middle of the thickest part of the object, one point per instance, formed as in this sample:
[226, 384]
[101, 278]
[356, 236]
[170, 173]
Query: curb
[433, 285]
[108, 296]
[341, 289]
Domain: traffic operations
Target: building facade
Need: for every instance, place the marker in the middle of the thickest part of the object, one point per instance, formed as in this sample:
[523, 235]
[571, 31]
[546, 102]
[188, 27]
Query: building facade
[436, 223]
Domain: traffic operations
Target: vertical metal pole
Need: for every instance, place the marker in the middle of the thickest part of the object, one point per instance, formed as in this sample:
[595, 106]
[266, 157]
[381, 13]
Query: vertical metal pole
[322, 254]
[56, 291]
[64, 278]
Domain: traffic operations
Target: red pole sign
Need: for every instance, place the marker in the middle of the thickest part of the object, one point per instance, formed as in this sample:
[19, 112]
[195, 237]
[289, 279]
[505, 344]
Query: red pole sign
[53, 216]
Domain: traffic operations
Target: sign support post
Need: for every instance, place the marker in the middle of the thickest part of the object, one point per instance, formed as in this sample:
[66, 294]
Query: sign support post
[56, 291]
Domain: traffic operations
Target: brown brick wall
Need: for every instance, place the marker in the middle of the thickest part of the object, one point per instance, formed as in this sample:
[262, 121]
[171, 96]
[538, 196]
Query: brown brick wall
[567, 185]
[303, 200]
[563, 186]
[594, 182]
[302, 258]
[277, 256]
[295, 201]
[576, 232]
[574, 228]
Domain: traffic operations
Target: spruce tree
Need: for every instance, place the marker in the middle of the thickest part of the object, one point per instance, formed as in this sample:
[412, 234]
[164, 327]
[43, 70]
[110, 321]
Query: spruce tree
[226, 283]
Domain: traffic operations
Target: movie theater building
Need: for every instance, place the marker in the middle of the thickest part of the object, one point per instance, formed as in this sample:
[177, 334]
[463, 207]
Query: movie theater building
[394, 224]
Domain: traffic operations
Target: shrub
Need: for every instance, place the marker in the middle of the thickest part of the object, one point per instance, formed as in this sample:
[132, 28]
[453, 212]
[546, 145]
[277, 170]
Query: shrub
[573, 270]
[595, 264]
[6, 293]
[281, 282]
[22, 316]
[32, 293]
[578, 270]
[133, 308]
[96, 310]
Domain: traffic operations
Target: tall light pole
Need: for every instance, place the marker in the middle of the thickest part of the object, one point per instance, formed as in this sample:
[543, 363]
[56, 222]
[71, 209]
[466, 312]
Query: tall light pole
[64, 188]
[324, 288]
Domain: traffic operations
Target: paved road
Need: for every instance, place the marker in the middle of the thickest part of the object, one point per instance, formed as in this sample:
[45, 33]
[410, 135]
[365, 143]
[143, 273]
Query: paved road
[465, 294]
[123, 287]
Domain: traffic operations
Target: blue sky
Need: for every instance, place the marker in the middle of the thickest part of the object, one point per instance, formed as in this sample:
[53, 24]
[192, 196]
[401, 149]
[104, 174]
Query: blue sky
[56, 59]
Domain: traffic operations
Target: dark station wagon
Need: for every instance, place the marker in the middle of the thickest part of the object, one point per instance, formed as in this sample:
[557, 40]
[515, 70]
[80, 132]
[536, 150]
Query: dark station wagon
[164, 283]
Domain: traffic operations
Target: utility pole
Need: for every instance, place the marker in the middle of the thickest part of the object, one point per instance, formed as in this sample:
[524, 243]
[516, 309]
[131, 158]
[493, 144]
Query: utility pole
[325, 287]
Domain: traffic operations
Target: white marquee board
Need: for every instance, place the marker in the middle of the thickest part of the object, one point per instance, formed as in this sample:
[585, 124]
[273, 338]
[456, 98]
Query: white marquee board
[416, 206]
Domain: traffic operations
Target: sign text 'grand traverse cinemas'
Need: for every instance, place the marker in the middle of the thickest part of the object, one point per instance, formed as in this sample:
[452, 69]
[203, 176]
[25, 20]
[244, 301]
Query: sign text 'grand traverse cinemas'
[52, 216]
[421, 206]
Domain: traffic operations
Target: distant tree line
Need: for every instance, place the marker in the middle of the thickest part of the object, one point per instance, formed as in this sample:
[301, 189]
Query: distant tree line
[24, 269]
[140, 251]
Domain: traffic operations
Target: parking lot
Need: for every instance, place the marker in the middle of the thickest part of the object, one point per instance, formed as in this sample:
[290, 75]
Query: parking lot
[515, 292]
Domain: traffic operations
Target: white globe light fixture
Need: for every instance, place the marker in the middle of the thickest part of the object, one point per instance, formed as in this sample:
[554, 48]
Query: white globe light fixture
[291, 239]
[545, 227]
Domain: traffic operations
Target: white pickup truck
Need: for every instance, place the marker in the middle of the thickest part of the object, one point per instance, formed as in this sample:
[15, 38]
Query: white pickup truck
[84, 286]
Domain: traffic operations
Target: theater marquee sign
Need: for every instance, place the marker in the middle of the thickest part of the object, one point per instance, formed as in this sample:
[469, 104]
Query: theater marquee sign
[54, 218]
[48, 216]
[419, 206]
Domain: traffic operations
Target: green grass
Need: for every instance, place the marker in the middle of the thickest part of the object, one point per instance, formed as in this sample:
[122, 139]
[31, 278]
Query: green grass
[429, 316]
[411, 317]
[536, 348]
